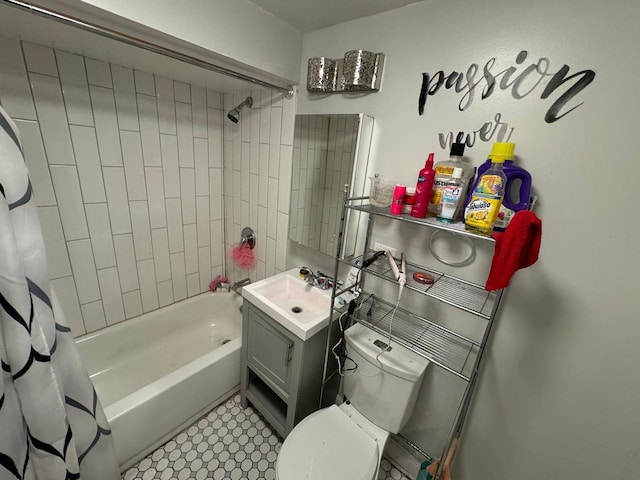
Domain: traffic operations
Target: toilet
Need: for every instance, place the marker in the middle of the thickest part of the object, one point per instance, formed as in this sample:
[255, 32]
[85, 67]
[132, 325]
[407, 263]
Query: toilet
[346, 442]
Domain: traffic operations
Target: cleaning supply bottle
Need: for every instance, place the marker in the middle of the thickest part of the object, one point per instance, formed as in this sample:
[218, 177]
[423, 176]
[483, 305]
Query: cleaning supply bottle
[423, 189]
[444, 172]
[452, 197]
[483, 208]
[517, 194]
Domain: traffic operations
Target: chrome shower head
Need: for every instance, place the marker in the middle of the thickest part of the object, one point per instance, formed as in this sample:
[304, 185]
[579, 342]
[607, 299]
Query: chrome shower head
[234, 113]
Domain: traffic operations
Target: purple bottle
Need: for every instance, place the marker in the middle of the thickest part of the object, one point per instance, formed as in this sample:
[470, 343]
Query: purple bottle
[517, 194]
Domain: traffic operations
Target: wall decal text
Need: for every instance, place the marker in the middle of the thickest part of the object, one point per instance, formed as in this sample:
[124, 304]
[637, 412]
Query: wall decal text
[493, 128]
[520, 79]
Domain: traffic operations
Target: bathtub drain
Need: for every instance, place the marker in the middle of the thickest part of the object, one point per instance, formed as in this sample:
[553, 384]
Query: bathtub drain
[296, 309]
[225, 341]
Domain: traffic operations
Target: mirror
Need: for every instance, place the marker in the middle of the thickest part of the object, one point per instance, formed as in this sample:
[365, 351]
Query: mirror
[329, 151]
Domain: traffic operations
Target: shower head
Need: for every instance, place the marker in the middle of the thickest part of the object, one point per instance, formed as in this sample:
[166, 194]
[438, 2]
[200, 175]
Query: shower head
[234, 113]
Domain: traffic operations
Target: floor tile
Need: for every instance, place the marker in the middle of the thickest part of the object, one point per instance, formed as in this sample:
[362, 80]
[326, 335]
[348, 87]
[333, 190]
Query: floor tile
[229, 442]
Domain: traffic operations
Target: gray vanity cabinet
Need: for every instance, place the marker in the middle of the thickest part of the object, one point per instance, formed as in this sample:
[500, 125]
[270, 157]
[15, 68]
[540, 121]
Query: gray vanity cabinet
[281, 374]
[269, 350]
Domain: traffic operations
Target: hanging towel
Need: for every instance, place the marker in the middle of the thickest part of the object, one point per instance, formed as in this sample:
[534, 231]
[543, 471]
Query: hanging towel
[518, 247]
[51, 423]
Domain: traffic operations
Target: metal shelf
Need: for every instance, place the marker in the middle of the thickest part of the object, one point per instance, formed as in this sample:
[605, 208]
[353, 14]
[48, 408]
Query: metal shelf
[451, 351]
[457, 227]
[453, 291]
[444, 347]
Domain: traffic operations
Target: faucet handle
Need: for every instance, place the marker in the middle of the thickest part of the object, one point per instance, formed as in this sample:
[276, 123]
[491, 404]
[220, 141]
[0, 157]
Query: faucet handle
[325, 281]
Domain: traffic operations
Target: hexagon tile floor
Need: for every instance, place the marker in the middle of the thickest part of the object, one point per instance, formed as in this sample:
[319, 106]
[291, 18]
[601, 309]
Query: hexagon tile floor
[230, 442]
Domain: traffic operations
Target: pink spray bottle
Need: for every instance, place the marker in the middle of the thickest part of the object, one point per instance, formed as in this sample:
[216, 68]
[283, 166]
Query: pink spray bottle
[423, 189]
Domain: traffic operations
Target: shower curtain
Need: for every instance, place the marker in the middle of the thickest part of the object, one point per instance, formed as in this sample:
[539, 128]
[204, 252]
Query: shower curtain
[51, 423]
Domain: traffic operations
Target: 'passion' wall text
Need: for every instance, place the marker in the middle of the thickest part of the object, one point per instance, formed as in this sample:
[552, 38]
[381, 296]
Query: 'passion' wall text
[520, 79]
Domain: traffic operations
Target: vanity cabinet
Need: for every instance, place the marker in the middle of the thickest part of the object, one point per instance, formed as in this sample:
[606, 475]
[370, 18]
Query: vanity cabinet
[281, 374]
[269, 350]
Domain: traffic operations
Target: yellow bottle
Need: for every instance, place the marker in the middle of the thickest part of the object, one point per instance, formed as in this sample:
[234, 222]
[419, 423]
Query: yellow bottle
[482, 210]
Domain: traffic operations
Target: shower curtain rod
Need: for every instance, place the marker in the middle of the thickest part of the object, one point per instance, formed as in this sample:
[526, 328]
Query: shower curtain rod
[138, 42]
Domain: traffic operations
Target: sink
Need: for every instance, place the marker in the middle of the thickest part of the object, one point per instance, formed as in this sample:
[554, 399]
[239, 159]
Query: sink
[289, 300]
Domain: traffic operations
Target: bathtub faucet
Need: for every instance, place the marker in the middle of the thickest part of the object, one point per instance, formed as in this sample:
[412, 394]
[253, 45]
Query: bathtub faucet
[237, 287]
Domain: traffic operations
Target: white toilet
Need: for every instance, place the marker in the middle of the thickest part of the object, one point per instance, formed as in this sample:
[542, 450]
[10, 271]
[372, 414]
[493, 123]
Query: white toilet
[346, 442]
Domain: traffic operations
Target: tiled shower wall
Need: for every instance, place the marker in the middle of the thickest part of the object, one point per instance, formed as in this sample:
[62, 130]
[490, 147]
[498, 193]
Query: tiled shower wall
[127, 171]
[257, 178]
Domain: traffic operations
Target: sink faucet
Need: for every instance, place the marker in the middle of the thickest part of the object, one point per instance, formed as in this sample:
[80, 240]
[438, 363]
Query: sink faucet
[237, 287]
[319, 279]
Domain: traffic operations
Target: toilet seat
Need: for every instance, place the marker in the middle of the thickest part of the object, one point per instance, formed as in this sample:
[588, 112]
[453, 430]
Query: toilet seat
[328, 444]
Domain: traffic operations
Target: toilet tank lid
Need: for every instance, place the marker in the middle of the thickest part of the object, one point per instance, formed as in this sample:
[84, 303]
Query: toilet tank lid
[399, 361]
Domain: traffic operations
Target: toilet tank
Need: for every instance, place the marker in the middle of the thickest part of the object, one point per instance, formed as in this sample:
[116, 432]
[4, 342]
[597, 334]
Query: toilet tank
[387, 395]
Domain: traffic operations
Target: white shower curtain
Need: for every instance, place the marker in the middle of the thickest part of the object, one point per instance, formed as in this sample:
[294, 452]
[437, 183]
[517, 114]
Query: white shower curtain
[51, 423]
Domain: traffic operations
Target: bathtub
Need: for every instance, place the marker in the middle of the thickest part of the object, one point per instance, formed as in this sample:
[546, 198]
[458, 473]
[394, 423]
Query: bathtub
[158, 372]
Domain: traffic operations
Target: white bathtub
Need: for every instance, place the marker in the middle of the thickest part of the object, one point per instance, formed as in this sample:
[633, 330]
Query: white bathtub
[156, 373]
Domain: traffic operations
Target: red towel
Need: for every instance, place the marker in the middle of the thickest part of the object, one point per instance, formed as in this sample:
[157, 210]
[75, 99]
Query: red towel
[516, 248]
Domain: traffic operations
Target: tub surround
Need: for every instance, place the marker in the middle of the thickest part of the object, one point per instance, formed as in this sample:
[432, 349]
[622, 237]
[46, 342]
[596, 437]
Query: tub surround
[128, 172]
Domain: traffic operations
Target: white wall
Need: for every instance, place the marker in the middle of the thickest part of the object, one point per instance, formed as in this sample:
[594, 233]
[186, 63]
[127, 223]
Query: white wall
[237, 30]
[127, 172]
[557, 397]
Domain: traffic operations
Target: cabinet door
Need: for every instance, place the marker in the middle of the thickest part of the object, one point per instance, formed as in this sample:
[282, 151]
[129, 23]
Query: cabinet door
[269, 350]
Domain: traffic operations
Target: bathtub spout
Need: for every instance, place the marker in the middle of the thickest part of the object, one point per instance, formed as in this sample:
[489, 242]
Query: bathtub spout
[237, 287]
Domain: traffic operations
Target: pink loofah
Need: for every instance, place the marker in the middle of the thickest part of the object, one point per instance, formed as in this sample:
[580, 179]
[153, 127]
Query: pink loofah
[243, 256]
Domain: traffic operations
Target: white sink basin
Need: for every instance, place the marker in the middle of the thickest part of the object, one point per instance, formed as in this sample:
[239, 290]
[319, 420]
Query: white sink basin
[289, 300]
